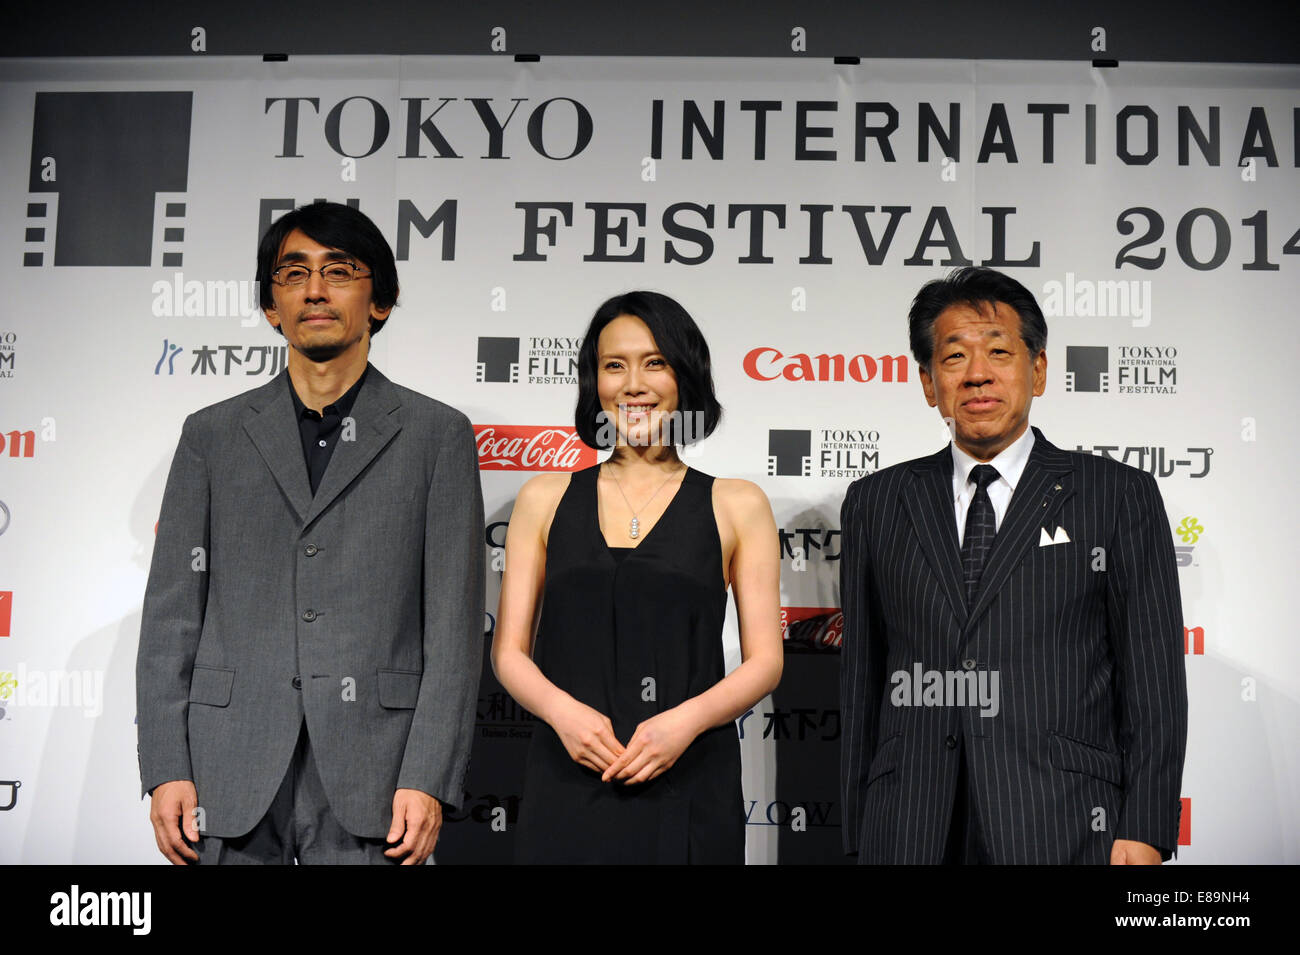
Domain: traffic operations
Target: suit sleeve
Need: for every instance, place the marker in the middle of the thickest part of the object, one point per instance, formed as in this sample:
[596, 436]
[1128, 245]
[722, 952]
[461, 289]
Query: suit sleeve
[1145, 622]
[171, 623]
[442, 728]
[862, 665]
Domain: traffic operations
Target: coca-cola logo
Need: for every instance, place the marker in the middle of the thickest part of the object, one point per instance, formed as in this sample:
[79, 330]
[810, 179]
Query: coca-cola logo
[513, 447]
[814, 628]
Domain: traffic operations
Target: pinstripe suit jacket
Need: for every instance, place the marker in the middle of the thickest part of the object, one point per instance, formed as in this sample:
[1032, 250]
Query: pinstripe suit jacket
[1085, 638]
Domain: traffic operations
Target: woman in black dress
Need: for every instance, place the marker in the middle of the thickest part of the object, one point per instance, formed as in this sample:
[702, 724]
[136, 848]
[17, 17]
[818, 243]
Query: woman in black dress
[627, 565]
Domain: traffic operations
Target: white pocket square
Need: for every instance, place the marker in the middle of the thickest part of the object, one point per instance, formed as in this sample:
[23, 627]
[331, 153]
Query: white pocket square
[1060, 537]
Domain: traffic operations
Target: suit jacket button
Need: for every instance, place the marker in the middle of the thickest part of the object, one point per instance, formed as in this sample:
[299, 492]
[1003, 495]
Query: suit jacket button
[297, 683]
[309, 615]
[310, 550]
[950, 742]
[968, 664]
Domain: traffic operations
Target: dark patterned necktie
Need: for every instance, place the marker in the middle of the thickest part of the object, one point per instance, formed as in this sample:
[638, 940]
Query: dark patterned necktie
[981, 528]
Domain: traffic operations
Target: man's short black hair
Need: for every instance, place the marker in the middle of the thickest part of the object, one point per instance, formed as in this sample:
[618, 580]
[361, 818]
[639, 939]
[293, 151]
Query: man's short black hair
[338, 227]
[974, 286]
[681, 343]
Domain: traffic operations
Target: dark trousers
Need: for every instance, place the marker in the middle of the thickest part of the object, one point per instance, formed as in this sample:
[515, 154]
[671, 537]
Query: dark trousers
[298, 828]
[964, 845]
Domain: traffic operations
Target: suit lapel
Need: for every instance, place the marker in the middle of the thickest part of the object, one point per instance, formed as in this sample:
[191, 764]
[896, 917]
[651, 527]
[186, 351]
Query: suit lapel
[1045, 485]
[375, 425]
[928, 500]
[271, 424]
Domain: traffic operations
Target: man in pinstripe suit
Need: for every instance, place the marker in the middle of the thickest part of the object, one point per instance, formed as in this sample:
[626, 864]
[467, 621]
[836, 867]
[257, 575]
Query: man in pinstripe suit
[1012, 680]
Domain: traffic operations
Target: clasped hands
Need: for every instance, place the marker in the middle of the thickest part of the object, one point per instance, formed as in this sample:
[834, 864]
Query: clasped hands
[655, 746]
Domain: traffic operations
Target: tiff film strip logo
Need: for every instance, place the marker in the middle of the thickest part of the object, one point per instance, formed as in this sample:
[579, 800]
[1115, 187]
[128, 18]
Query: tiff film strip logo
[108, 172]
[1087, 368]
[498, 360]
[789, 453]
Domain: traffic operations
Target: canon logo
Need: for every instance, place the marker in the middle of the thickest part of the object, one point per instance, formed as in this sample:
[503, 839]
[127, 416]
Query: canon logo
[531, 448]
[21, 444]
[768, 364]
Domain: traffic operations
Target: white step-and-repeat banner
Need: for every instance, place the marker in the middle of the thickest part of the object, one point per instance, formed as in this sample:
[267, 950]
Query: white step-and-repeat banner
[793, 207]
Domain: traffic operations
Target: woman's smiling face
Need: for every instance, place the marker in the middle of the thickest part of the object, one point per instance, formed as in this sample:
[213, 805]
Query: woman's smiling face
[637, 388]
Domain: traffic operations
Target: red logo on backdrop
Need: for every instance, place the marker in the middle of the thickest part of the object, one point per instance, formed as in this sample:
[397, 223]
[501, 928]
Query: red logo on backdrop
[1185, 822]
[1193, 640]
[817, 628]
[6, 609]
[21, 444]
[768, 364]
[515, 447]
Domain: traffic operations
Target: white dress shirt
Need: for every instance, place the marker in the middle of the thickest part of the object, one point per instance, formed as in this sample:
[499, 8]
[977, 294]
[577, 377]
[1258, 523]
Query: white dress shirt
[1010, 465]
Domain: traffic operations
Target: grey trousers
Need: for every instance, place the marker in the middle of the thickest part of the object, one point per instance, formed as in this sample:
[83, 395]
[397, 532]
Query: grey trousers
[298, 828]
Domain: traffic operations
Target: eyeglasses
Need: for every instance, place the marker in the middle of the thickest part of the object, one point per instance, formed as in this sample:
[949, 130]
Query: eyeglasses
[336, 273]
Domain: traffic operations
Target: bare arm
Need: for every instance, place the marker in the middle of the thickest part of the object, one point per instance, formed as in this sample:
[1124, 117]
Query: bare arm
[587, 734]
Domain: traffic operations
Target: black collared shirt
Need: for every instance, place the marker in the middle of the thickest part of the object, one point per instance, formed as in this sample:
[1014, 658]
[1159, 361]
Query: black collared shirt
[321, 432]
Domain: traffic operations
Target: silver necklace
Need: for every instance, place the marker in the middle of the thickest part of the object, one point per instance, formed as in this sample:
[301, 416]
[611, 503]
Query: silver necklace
[634, 526]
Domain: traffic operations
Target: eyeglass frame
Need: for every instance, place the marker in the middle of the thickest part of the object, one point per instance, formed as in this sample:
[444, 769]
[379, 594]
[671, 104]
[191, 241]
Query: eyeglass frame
[328, 265]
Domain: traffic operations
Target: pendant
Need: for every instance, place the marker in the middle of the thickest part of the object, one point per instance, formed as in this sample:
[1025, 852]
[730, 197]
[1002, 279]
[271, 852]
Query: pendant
[634, 529]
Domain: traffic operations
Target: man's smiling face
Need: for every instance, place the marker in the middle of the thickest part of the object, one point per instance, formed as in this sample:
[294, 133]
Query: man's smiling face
[982, 377]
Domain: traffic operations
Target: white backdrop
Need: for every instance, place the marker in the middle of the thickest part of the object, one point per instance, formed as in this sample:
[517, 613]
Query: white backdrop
[100, 363]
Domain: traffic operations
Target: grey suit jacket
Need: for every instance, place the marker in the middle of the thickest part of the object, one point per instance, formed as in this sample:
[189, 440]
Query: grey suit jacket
[359, 609]
[1085, 637]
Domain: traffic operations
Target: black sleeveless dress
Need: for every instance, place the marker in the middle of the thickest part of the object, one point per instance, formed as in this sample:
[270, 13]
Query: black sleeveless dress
[631, 633]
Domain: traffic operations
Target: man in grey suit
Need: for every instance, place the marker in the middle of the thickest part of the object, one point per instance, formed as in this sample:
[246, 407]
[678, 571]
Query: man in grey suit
[312, 629]
[1012, 678]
